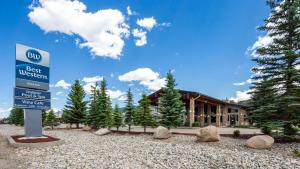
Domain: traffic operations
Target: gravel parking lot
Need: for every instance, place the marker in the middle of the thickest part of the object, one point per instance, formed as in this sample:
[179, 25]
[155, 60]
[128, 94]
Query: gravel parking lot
[86, 150]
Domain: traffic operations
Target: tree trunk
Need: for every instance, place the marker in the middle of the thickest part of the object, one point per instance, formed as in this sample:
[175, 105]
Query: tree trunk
[144, 129]
[117, 128]
[77, 125]
[129, 126]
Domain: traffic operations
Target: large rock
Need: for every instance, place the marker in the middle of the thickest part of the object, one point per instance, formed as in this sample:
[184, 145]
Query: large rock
[260, 142]
[102, 132]
[161, 133]
[86, 128]
[208, 134]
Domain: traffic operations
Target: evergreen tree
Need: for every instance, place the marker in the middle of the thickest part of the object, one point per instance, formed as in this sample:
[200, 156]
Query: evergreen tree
[170, 105]
[16, 116]
[91, 118]
[263, 108]
[145, 118]
[44, 115]
[129, 110]
[75, 110]
[278, 63]
[104, 107]
[50, 119]
[136, 117]
[117, 117]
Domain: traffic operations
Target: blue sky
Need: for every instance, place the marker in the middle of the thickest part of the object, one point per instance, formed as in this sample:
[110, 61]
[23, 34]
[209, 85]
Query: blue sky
[133, 44]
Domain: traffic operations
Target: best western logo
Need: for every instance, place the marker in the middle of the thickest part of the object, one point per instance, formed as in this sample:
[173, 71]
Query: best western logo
[33, 55]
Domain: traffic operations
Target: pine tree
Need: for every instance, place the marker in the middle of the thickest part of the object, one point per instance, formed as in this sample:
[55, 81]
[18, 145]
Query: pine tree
[16, 116]
[145, 118]
[129, 110]
[104, 107]
[93, 108]
[50, 119]
[75, 110]
[278, 63]
[136, 117]
[117, 117]
[170, 105]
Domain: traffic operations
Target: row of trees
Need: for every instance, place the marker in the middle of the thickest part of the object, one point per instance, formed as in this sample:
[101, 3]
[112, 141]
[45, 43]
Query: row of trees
[98, 112]
[17, 117]
[276, 86]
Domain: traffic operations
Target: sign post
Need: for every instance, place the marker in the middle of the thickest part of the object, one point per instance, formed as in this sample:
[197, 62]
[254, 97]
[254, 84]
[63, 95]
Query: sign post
[32, 83]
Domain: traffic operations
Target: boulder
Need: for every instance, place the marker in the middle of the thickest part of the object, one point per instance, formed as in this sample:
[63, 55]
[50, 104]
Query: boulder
[86, 128]
[260, 142]
[47, 128]
[102, 132]
[161, 133]
[208, 134]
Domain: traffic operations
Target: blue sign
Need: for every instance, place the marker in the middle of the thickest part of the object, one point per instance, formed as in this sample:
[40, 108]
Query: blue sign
[32, 94]
[32, 104]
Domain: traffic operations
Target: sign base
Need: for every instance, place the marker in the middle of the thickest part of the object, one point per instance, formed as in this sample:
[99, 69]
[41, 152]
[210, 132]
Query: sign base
[33, 123]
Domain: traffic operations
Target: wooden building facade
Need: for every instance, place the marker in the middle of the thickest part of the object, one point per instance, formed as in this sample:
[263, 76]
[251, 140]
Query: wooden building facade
[207, 110]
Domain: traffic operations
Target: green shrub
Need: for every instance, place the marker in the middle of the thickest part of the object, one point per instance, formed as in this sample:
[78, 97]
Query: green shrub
[196, 124]
[297, 153]
[236, 133]
[266, 129]
[289, 129]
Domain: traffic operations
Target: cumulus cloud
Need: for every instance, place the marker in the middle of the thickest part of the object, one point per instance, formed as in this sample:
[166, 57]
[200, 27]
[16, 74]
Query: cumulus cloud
[58, 93]
[63, 84]
[90, 81]
[141, 37]
[102, 32]
[241, 96]
[146, 77]
[116, 94]
[262, 41]
[147, 23]
[248, 81]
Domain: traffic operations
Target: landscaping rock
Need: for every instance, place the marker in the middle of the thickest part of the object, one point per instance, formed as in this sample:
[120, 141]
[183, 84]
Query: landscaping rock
[208, 134]
[260, 142]
[47, 128]
[161, 133]
[102, 132]
[86, 128]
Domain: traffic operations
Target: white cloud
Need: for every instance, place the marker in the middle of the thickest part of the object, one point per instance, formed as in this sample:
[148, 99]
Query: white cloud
[116, 94]
[92, 79]
[63, 84]
[248, 81]
[141, 37]
[147, 23]
[3, 110]
[146, 77]
[58, 93]
[241, 95]
[102, 32]
[165, 24]
[129, 11]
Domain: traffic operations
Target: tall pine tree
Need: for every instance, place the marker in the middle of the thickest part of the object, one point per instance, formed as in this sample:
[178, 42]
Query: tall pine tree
[16, 116]
[93, 107]
[278, 62]
[117, 117]
[75, 110]
[129, 110]
[145, 118]
[170, 105]
[104, 107]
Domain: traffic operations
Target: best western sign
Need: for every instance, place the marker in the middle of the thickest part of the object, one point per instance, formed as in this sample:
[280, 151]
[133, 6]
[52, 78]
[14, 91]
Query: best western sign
[32, 78]
[32, 68]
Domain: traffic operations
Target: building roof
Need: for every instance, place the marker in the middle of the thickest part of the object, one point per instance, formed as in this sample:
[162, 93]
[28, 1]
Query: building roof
[194, 94]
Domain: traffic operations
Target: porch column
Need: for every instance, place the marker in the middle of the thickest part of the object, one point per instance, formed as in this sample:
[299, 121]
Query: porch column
[241, 114]
[218, 116]
[202, 114]
[209, 114]
[225, 116]
[192, 111]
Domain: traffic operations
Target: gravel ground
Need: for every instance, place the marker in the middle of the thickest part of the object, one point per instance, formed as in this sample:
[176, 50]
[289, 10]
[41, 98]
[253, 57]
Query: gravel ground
[86, 150]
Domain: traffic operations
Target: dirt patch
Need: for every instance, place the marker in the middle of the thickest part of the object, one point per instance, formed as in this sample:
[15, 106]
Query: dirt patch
[34, 140]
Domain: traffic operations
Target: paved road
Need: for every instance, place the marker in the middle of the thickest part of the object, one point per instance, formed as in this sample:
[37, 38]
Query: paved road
[222, 130]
